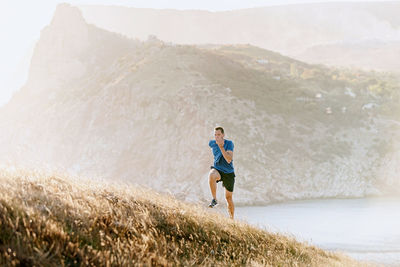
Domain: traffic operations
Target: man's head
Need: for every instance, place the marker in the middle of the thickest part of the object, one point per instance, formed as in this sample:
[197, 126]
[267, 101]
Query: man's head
[219, 133]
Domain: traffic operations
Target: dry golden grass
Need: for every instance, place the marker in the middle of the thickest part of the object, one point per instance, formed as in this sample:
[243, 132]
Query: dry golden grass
[56, 220]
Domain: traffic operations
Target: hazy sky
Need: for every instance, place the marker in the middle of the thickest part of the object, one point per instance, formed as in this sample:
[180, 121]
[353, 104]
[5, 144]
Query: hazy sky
[22, 20]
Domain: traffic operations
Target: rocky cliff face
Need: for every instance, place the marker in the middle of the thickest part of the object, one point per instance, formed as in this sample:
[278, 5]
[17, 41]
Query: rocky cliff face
[105, 106]
[70, 49]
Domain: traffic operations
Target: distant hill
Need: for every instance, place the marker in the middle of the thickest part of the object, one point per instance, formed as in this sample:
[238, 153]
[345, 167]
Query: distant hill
[369, 54]
[293, 30]
[102, 105]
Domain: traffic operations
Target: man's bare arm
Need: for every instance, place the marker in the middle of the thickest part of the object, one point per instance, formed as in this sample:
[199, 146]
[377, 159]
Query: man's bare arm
[228, 155]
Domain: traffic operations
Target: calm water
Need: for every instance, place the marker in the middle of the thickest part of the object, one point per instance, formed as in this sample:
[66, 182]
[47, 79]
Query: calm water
[365, 229]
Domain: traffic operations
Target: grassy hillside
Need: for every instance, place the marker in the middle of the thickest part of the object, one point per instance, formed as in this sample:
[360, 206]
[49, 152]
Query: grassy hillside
[54, 220]
[294, 80]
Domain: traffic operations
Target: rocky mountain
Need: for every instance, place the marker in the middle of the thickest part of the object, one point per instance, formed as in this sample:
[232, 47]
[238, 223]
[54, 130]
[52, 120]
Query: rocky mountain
[102, 105]
[294, 30]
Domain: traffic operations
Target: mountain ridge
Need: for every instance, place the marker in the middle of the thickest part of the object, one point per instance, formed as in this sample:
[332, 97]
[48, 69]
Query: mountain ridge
[148, 110]
[290, 29]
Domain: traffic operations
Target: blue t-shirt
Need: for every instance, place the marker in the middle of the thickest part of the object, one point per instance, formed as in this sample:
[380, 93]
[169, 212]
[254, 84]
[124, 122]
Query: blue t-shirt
[219, 161]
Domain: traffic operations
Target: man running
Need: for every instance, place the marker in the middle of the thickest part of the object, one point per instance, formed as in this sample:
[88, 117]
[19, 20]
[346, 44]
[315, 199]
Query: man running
[222, 170]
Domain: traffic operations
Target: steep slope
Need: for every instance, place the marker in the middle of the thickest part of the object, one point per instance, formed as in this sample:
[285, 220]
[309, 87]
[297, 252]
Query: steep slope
[55, 220]
[143, 112]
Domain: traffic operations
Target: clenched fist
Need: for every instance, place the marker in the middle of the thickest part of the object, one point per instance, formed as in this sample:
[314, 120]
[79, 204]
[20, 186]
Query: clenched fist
[220, 142]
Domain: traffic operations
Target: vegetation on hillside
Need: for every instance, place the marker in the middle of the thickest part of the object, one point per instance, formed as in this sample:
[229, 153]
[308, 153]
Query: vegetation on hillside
[55, 220]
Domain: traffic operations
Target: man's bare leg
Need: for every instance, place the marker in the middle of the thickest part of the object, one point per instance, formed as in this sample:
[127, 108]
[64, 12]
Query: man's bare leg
[229, 199]
[213, 177]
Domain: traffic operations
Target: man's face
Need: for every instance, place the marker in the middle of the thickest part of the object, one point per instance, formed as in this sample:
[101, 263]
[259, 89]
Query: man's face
[218, 135]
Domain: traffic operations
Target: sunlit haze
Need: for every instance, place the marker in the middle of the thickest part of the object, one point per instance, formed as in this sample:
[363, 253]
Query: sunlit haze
[125, 96]
[22, 21]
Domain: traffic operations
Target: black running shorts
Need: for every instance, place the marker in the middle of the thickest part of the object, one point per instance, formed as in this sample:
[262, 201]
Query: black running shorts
[227, 179]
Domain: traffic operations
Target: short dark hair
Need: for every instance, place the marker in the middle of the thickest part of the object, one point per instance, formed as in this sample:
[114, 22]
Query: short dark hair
[219, 128]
